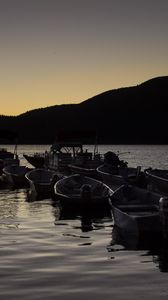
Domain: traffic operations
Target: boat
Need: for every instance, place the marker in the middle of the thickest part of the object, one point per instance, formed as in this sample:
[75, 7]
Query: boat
[82, 191]
[115, 176]
[36, 159]
[157, 180]
[138, 211]
[15, 175]
[62, 156]
[7, 157]
[41, 181]
[8, 162]
[115, 172]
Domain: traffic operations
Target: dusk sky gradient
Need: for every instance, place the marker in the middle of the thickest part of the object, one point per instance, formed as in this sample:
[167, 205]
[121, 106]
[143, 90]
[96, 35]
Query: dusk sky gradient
[66, 51]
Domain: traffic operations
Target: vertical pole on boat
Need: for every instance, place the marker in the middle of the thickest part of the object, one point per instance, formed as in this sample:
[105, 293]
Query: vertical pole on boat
[15, 149]
[95, 147]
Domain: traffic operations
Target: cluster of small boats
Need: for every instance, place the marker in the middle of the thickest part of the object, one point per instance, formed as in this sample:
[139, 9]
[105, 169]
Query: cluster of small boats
[74, 177]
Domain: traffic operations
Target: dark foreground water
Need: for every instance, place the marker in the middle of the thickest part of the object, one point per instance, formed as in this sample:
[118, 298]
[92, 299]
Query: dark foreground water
[46, 253]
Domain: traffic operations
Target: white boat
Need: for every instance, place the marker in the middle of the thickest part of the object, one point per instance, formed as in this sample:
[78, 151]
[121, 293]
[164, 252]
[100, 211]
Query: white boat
[41, 181]
[138, 211]
[82, 191]
[15, 174]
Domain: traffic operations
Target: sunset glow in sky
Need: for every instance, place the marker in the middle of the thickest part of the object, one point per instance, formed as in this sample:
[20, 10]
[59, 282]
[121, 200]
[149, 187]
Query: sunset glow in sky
[66, 51]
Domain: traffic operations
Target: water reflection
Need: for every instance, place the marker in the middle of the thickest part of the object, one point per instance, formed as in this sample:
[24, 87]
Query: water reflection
[89, 220]
[32, 196]
[155, 246]
[9, 204]
[161, 258]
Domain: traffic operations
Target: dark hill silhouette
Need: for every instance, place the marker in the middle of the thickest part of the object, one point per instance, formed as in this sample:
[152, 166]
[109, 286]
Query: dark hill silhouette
[135, 114]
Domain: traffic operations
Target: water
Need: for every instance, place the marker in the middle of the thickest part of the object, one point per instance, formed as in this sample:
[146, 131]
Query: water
[49, 254]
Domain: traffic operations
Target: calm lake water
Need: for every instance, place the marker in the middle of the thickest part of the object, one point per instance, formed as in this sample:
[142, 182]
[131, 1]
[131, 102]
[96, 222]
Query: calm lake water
[49, 254]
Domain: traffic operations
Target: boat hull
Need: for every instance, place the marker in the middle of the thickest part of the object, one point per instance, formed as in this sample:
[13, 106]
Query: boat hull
[42, 189]
[83, 204]
[15, 175]
[138, 211]
[135, 224]
[69, 192]
[121, 175]
[41, 182]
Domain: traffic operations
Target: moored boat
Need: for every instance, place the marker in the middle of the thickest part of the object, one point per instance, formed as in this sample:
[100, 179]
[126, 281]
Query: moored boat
[116, 176]
[15, 175]
[7, 157]
[138, 211]
[65, 156]
[82, 191]
[41, 181]
[36, 160]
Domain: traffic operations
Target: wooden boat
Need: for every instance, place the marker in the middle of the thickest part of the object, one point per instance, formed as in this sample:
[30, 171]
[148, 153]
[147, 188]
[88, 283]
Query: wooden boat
[82, 191]
[36, 160]
[41, 181]
[8, 157]
[8, 162]
[116, 176]
[15, 174]
[157, 180]
[138, 211]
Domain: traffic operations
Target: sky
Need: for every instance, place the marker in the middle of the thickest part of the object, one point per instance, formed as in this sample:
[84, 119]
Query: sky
[66, 51]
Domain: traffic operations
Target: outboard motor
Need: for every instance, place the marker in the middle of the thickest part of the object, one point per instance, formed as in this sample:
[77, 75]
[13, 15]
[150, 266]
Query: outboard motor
[86, 192]
[111, 158]
[86, 196]
[53, 180]
[163, 210]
